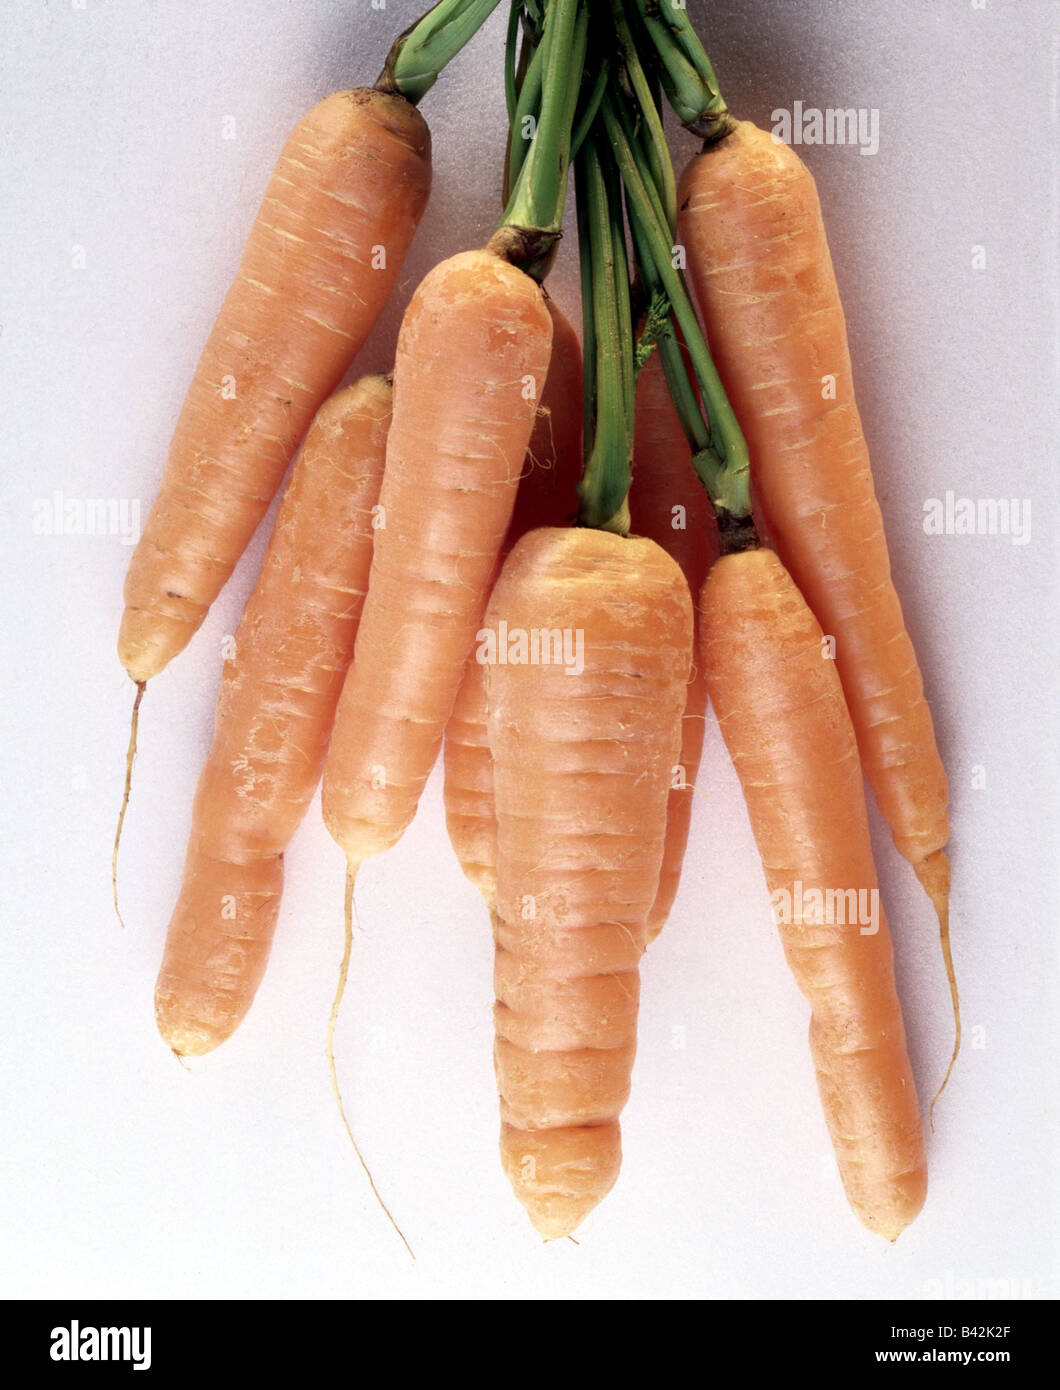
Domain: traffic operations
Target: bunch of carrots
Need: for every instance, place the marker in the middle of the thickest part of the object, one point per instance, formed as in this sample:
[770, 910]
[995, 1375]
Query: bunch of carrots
[700, 522]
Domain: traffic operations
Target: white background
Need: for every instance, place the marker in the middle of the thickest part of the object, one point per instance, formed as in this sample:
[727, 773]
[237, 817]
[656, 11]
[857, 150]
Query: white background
[122, 1174]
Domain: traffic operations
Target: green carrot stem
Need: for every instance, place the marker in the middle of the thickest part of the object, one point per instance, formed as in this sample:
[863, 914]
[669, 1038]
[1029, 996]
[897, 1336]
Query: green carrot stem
[683, 393]
[527, 107]
[423, 50]
[624, 317]
[511, 41]
[662, 172]
[675, 366]
[604, 489]
[590, 108]
[540, 189]
[728, 486]
[585, 268]
[687, 73]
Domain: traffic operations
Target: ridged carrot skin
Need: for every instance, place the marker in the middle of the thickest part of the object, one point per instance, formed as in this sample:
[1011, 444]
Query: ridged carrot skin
[546, 497]
[758, 255]
[582, 775]
[669, 505]
[472, 359]
[274, 715]
[322, 258]
[784, 718]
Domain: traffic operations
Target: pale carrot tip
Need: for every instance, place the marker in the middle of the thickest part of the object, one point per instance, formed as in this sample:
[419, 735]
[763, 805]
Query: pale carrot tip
[895, 1206]
[187, 1024]
[147, 642]
[186, 1040]
[130, 756]
[554, 1228]
[555, 1216]
[889, 1230]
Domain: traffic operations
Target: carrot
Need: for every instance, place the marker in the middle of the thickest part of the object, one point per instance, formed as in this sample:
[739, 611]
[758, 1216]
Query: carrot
[582, 772]
[546, 493]
[785, 722]
[545, 497]
[472, 357]
[757, 251]
[470, 815]
[321, 260]
[274, 714]
[669, 505]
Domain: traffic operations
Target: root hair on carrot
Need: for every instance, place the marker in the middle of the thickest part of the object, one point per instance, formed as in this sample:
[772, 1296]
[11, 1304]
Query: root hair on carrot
[947, 956]
[344, 970]
[130, 755]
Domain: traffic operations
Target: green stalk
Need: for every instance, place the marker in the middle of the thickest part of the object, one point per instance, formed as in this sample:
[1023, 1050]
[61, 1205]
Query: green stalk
[662, 173]
[687, 73]
[532, 224]
[696, 429]
[727, 484]
[422, 51]
[528, 103]
[535, 17]
[675, 368]
[540, 191]
[684, 397]
[604, 489]
[620, 271]
[590, 108]
[585, 268]
[511, 90]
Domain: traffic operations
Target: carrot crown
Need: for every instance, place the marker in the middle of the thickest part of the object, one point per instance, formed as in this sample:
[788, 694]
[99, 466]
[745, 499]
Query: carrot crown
[542, 109]
[686, 71]
[423, 50]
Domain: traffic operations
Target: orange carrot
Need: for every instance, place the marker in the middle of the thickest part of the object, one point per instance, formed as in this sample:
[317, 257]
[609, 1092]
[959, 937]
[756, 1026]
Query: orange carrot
[759, 258]
[582, 772]
[545, 497]
[472, 358]
[274, 714]
[669, 505]
[785, 721]
[470, 815]
[322, 258]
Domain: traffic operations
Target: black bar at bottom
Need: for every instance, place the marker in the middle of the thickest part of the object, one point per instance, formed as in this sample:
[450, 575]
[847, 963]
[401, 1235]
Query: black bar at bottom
[162, 1339]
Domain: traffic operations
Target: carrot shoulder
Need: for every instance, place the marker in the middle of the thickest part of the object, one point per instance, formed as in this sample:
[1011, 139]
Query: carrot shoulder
[582, 765]
[472, 358]
[782, 712]
[274, 715]
[321, 260]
